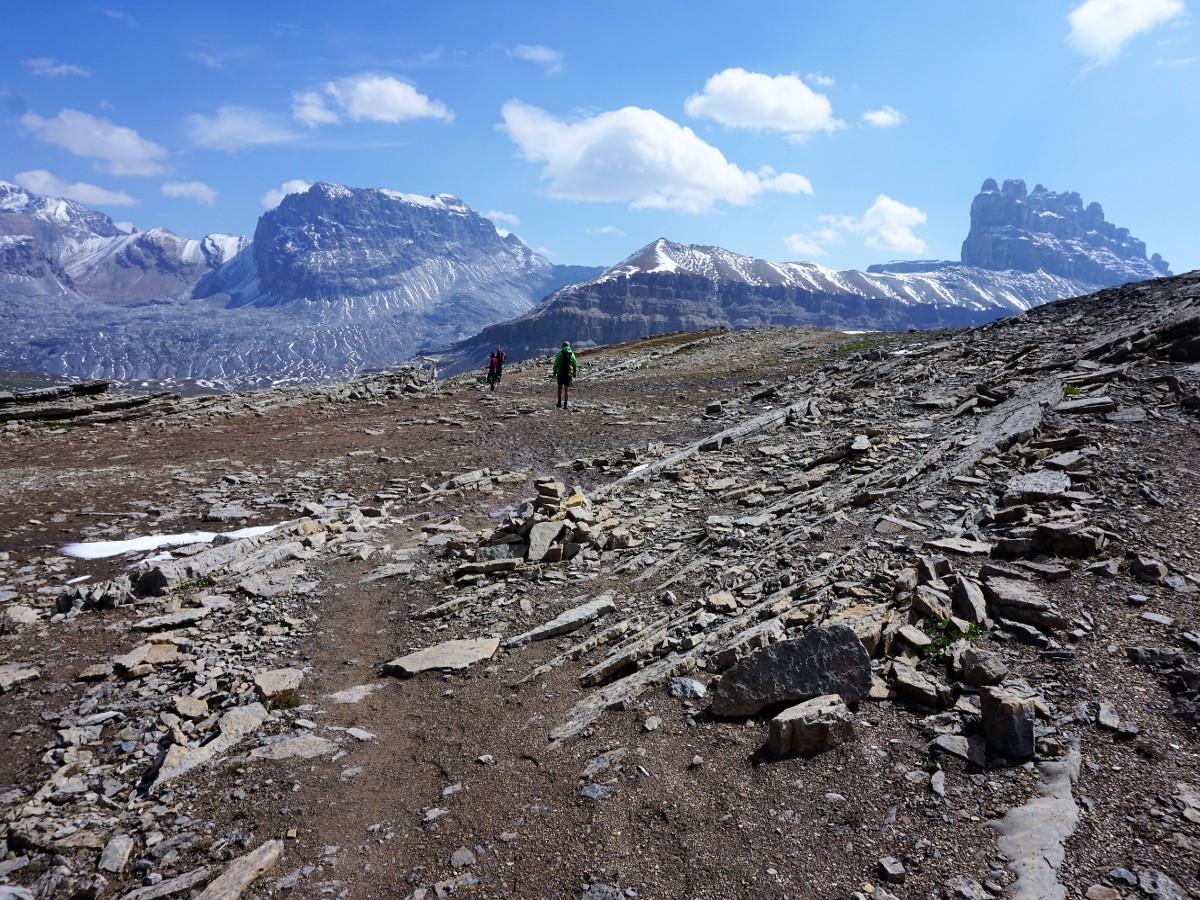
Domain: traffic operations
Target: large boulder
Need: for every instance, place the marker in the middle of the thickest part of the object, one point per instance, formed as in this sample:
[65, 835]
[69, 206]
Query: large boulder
[824, 660]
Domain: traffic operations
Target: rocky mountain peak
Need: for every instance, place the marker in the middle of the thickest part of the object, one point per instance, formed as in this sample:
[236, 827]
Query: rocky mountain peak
[1013, 228]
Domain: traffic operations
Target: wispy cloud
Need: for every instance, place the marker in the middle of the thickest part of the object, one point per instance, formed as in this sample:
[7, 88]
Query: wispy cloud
[548, 58]
[119, 16]
[1101, 28]
[740, 99]
[48, 67]
[884, 117]
[813, 241]
[605, 230]
[507, 218]
[375, 98]
[116, 149]
[274, 197]
[822, 81]
[234, 128]
[208, 60]
[190, 190]
[39, 181]
[636, 156]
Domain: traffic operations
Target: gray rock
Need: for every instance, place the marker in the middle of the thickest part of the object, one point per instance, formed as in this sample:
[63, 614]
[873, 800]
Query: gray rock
[891, 870]
[14, 674]
[461, 858]
[453, 655]
[1008, 722]
[243, 872]
[982, 668]
[564, 623]
[960, 887]
[1032, 836]
[813, 726]
[1160, 886]
[916, 686]
[17, 617]
[1033, 487]
[541, 536]
[232, 727]
[684, 688]
[823, 660]
[116, 854]
[302, 746]
[278, 681]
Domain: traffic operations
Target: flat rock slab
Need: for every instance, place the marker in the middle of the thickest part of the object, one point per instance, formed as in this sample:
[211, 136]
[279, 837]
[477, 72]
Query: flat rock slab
[823, 660]
[451, 655]
[302, 746]
[243, 872]
[355, 694]
[541, 536]
[569, 621]
[1087, 405]
[1032, 836]
[14, 674]
[182, 619]
[960, 545]
[278, 681]
[1032, 487]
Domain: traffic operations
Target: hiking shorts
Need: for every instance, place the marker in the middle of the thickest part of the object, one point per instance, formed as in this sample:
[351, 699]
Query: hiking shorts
[564, 379]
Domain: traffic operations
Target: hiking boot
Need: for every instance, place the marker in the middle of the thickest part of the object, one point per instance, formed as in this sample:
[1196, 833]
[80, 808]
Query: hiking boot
[558, 405]
[564, 404]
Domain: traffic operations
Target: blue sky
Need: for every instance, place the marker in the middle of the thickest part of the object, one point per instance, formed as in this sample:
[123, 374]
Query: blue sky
[846, 133]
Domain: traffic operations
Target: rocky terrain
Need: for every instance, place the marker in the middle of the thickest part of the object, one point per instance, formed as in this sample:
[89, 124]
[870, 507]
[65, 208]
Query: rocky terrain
[769, 613]
[1023, 249]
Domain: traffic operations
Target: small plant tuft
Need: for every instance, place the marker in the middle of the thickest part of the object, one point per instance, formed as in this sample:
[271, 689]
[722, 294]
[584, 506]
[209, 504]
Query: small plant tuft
[943, 634]
[286, 700]
[1071, 390]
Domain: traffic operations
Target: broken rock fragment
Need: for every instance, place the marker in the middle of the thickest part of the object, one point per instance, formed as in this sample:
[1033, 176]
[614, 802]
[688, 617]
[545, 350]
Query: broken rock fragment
[811, 727]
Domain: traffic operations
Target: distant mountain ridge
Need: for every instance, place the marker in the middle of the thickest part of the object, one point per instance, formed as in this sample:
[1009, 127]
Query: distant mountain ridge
[1023, 250]
[337, 280]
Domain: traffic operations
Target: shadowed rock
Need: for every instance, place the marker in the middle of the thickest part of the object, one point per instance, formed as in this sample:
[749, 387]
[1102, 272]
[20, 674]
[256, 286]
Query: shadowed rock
[824, 660]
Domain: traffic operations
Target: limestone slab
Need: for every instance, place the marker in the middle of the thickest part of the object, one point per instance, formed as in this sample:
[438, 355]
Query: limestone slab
[453, 655]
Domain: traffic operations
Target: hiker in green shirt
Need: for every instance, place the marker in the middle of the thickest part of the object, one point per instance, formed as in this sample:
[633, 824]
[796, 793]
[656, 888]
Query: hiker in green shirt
[565, 368]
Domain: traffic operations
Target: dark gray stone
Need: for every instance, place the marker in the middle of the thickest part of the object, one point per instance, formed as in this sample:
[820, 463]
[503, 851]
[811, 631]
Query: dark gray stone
[823, 660]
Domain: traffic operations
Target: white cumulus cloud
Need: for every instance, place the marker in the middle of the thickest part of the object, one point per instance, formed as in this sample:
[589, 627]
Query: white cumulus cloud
[884, 117]
[274, 197]
[1101, 28]
[235, 128]
[190, 190]
[820, 80]
[52, 68]
[376, 98]
[605, 230]
[39, 181]
[550, 59]
[116, 149]
[740, 99]
[636, 156]
[887, 225]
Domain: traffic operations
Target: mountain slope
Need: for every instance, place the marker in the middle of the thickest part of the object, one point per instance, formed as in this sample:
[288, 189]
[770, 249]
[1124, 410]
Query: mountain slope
[671, 287]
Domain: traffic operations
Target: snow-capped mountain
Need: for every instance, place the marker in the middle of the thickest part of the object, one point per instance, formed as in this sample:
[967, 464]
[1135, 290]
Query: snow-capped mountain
[667, 286]
[336, 280]
[58, 248]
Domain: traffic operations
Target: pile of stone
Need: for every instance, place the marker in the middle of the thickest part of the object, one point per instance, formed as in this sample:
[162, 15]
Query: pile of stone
[200, 682]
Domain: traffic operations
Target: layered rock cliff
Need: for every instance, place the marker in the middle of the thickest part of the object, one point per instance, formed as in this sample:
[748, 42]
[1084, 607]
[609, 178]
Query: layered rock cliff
[1054, 232]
